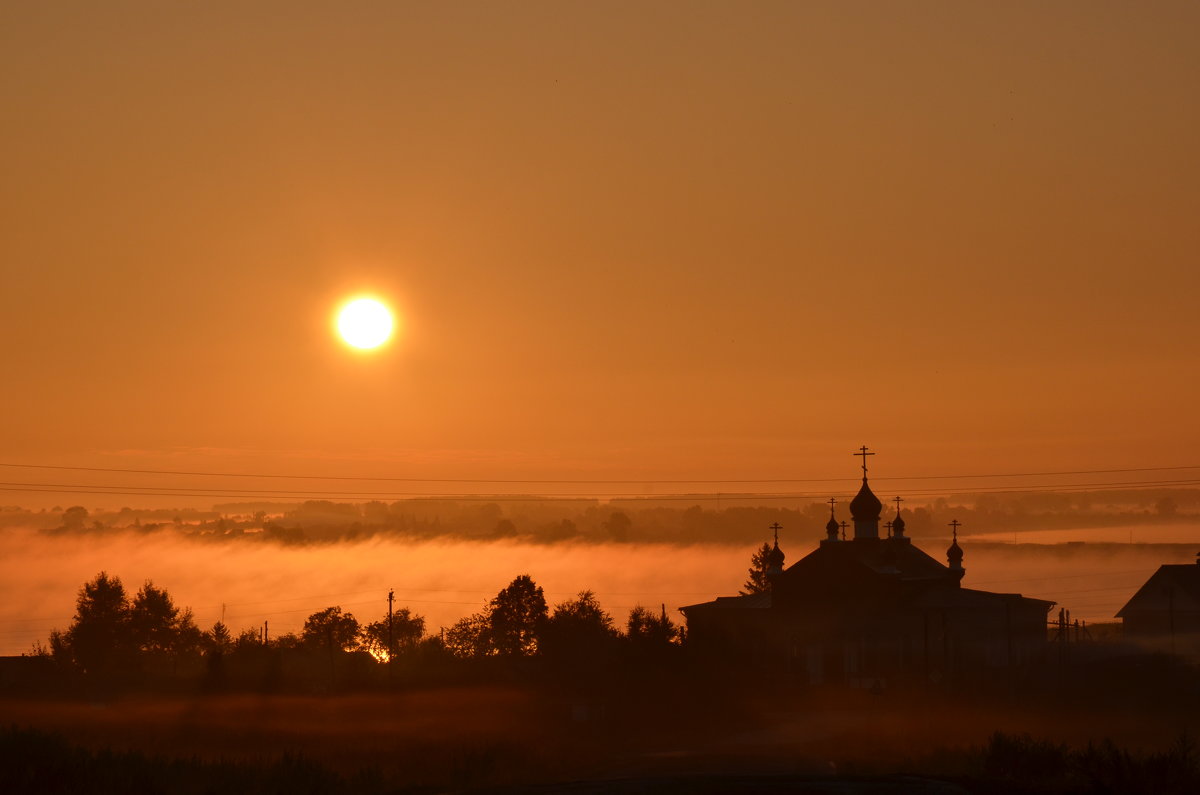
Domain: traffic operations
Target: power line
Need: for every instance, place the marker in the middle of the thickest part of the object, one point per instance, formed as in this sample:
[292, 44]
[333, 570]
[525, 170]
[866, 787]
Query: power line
[585, 481]
[269, 494]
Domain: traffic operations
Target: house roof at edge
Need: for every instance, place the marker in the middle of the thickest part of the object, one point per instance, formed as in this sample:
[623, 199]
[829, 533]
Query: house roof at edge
[1182, 578]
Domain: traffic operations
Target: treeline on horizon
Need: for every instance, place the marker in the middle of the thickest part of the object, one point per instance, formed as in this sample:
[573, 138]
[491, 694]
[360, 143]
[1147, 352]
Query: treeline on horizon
[118, 637]
[618, 521]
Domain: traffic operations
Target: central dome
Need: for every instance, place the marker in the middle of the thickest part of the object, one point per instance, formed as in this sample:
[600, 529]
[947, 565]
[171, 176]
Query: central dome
[865, 507]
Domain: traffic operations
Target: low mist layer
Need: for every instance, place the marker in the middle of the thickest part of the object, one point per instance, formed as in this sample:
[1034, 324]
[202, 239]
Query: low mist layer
[444, 580]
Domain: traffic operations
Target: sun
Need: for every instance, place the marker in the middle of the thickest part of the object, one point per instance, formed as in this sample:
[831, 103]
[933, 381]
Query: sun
[365, 323]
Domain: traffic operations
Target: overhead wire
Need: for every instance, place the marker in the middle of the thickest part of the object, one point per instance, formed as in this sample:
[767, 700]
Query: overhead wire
[586, 481]
[273, 494]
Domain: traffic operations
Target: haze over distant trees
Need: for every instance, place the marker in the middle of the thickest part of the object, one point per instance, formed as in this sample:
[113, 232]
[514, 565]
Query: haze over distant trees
[732, 521]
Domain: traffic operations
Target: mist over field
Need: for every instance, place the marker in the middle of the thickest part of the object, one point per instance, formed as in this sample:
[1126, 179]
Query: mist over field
[445, 580]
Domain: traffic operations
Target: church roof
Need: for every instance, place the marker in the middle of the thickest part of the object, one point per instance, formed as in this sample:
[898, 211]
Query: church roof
[883, 556]
[969, 597]
[1173, 586]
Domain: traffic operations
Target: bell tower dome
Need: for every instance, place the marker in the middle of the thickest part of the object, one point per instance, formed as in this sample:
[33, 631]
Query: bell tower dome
[865, 508]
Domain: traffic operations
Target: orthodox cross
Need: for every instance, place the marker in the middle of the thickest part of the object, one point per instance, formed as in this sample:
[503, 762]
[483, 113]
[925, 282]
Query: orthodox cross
[888, 525]
[776, 527]
[844, 526]
[898, 500]
[862, 453]
[832, 502]
[955, 524]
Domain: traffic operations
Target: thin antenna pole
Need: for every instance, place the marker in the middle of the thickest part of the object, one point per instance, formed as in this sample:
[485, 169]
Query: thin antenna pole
[391, 646]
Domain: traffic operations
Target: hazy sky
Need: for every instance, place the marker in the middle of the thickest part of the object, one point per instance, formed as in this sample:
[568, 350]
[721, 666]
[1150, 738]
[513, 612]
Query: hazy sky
[644, 240]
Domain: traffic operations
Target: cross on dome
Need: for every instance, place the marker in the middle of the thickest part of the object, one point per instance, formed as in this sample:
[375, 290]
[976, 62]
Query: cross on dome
[862, 453]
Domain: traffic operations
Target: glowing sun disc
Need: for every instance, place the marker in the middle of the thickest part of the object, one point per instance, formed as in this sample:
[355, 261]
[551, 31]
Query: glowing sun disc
[365, 323]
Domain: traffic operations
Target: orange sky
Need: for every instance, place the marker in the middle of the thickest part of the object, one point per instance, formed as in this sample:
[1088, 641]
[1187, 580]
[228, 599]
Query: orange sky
[643, 240]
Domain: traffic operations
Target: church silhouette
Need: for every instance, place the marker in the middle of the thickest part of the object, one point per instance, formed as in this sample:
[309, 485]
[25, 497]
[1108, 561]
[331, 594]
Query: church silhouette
[870, 611]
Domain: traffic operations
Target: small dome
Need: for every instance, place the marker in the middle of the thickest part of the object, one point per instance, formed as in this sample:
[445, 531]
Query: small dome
[954, 554]
[865, 507]
[832, 526]
[898, 525]
[775, 558]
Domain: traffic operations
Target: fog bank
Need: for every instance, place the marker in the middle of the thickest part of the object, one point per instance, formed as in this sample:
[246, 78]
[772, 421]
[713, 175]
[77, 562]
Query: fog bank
[445, 580]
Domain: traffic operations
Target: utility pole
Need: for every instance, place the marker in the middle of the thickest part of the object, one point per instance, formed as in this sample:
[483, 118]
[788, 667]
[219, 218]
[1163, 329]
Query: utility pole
[266, 633]
[391, 646]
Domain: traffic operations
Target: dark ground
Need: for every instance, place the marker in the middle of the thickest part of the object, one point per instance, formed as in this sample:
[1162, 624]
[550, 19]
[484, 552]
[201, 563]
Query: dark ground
[510, 738]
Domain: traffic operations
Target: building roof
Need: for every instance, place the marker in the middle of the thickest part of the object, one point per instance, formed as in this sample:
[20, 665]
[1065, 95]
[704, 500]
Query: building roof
[1172, 587]
[892, 556]
[862, 561]
[754, 601]
[970, 597]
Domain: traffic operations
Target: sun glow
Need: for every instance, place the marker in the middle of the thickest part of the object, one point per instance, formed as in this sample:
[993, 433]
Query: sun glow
[365, 323]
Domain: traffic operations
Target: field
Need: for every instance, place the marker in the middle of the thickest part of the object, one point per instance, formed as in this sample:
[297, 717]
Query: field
[519, 736]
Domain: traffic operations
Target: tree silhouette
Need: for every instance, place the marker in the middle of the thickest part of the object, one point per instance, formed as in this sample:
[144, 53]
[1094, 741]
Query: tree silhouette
[99, 638]
[218, 639]
[649, 628]
[248, 638]
[154, 619]
[579, 635]
[516, 617]
[332, 629]
[618, 526]
[757, 581]
[469, 637]
[75, 517]
[504, 529]
[407, 630]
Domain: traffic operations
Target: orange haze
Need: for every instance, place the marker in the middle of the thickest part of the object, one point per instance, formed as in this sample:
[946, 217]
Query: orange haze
[632, 240]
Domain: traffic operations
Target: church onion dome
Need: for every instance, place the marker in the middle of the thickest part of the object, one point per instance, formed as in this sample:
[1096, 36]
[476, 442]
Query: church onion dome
[865, 507]
[954, 554]
[832, 528]
[898, 525]
[775, 558]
